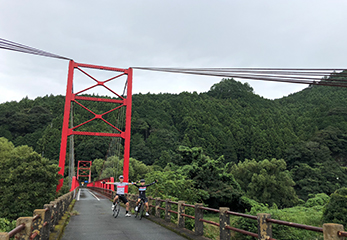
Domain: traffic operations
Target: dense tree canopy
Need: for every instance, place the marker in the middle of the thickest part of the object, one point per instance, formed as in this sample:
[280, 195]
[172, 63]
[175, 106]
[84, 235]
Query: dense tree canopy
[336, 209]
[210, 175]
[266, 181]
[27, 181]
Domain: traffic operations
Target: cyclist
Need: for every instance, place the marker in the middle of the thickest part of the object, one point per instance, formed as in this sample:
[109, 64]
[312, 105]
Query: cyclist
[120, 194]
[142, 194]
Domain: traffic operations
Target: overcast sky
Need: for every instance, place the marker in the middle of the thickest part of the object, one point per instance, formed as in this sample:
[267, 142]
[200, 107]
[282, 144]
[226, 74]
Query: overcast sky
[200, 33]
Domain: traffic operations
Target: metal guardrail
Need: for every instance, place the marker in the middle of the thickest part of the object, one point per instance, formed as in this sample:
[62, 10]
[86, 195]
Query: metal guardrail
[43, 221]
[18, 229]
[296, 225]
[264, 220]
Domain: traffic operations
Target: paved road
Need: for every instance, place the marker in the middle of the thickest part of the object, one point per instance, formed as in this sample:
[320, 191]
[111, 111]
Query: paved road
[95, 221]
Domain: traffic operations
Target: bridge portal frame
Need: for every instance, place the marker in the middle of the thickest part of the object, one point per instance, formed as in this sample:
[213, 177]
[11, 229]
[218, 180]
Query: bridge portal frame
[84, 169]
[71, 97]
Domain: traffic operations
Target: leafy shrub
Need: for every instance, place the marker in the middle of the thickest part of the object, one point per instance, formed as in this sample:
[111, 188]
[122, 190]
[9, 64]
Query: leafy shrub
[319, 199]
[336, 209]
[266, 181]
[6, 225]
[174, 186]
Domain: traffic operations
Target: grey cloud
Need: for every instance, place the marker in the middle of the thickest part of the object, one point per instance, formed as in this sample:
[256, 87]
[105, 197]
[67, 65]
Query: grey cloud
[203, 33]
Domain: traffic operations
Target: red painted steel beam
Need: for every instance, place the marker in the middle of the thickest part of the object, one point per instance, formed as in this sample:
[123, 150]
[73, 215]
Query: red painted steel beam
[101, 134]
[64, 132]
[101, 67]
[99, 99]
[128, 104]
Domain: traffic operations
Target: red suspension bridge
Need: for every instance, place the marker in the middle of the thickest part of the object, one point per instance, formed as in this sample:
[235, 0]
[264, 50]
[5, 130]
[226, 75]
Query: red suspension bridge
[124, 101]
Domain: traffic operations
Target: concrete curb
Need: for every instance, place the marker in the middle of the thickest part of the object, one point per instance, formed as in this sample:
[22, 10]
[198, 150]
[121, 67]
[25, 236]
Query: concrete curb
[58, 231]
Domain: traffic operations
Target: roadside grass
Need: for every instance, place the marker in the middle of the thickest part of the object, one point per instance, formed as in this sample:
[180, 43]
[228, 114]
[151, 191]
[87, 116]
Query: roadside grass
[211, 231]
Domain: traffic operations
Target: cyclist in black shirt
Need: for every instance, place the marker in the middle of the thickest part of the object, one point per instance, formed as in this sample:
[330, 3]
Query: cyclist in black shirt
[142, 194]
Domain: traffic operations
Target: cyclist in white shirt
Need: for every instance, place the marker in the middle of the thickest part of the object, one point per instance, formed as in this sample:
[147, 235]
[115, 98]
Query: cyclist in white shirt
[120, 193]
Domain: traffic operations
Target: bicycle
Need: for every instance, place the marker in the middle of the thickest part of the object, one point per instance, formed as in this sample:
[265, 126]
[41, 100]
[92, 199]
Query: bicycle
[140, 209]
[116, 209]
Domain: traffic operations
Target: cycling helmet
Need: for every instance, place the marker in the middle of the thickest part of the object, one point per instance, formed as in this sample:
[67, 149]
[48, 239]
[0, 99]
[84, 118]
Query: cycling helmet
[121, 177]
[142, 180]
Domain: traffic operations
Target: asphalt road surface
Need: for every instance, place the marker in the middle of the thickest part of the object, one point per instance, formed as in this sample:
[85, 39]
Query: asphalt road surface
[95, 222]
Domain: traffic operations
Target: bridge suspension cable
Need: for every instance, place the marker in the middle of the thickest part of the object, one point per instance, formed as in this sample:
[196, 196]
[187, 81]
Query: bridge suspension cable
[291, 75]
[9, 45]
[312, 76]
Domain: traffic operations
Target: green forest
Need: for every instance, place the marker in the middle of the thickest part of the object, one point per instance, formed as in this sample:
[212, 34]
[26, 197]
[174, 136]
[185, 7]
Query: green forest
[224, 147]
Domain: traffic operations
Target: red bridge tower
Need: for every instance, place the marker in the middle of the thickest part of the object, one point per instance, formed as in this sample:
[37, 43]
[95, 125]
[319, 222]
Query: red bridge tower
[120, 102]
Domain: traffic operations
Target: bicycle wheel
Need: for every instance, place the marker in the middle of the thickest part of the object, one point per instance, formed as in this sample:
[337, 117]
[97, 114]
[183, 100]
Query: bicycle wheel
[116, 210]
[141, 210]
[138, 210]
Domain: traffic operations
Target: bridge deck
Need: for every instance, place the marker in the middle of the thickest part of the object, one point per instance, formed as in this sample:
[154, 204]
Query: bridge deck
[95, 221]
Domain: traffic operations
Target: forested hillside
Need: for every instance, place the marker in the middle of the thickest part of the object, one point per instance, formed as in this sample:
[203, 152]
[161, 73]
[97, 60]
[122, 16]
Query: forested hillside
[307, 129]
[225, 147]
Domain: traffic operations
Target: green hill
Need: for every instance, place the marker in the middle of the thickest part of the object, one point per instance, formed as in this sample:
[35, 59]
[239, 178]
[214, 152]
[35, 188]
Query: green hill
[307, 129]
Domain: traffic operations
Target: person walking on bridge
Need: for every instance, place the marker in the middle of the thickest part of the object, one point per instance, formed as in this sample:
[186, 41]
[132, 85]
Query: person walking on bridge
[120, 194]
[142, 194]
